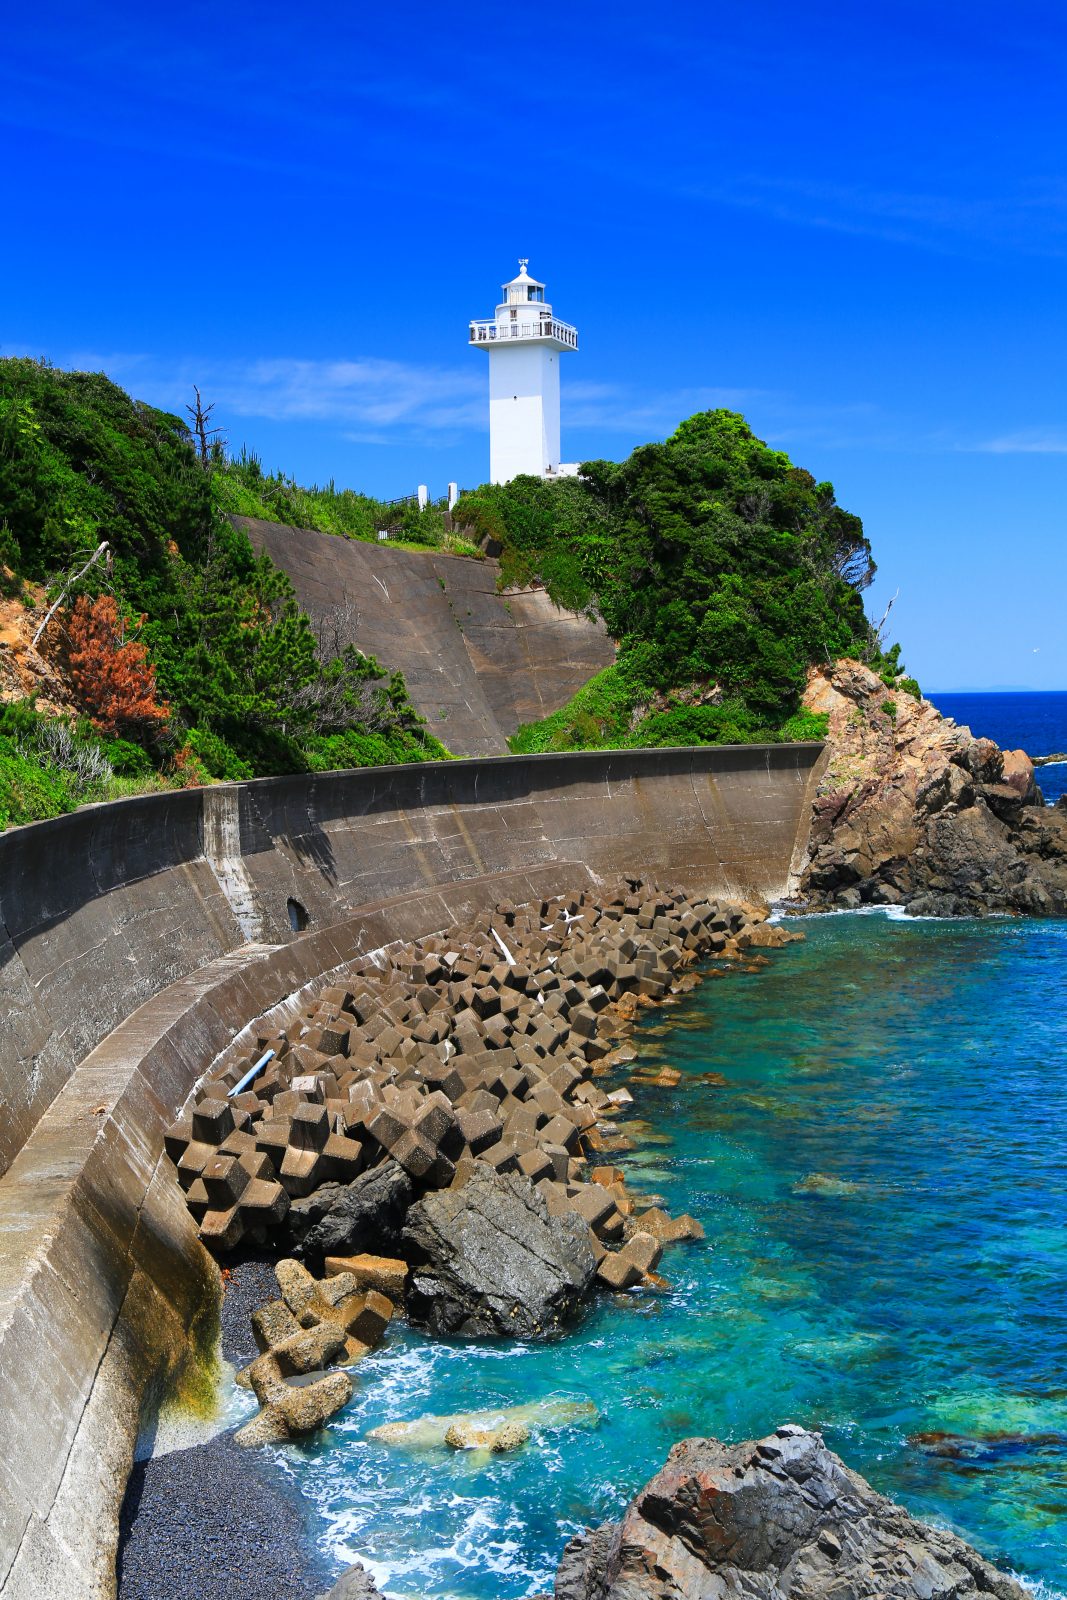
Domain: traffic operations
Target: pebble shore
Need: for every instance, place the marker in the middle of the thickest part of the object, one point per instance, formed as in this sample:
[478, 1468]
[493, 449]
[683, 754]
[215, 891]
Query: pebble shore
[216, 1522]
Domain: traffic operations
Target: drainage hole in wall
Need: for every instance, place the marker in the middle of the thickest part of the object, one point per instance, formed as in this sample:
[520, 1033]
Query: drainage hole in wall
[298, 917]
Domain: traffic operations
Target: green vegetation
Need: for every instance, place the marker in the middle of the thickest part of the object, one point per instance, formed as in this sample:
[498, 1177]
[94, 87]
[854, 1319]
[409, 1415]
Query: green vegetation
[231, 678]
[49, 765]
[721, 569]
[243, 489]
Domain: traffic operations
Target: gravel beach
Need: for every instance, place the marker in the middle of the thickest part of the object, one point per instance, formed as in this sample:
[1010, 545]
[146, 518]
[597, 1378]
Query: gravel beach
[216, 1522]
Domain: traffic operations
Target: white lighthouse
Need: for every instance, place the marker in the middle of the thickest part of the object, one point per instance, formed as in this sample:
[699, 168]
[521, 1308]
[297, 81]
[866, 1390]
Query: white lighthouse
[524, 342]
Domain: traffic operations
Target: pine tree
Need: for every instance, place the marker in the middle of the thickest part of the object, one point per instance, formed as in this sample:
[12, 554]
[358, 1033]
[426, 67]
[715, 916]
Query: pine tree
[112, 675]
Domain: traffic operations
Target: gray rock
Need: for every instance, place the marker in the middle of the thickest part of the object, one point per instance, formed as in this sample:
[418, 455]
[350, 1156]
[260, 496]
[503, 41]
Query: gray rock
[488, 1259]
[355, 1584]
[776, 1518]
[366, 1215]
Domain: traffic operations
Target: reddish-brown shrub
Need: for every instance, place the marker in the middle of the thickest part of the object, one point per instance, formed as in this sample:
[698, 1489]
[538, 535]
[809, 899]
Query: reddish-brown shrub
[189, 768]
[114, 680]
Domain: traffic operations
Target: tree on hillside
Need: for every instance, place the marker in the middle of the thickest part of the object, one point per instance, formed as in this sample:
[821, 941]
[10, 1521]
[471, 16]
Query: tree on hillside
[111, 674]
[712, 560]
[209, 440]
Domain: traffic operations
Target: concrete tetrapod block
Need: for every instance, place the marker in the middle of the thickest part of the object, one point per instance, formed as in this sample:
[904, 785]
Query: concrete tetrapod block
[625, 1268]
[273, 1324]
[297, 1409]
[307, 1350]
[387, 1274]
[669, 1229]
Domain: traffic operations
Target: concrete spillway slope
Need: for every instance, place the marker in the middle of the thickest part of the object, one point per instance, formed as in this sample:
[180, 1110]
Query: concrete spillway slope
[477, 662]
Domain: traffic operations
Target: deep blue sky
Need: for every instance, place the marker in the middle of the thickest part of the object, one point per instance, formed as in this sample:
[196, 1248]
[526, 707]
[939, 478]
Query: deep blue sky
[848, 221]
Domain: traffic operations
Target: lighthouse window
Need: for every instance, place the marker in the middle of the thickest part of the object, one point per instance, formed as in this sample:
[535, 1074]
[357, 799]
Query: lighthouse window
[537, 294]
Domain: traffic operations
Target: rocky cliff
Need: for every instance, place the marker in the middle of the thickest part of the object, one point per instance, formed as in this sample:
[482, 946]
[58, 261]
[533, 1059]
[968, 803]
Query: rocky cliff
[781, 1516]
[912, 810]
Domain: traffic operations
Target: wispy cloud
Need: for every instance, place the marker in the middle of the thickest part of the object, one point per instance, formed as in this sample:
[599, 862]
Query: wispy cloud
[1030, 442]
[777, 416]
[368, 399]
[619, 408]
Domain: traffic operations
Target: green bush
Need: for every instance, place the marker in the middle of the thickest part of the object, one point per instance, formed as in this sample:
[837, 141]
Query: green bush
[597, 718]
[804, 727]
[216, 757]
[127, 760]
[711, 559]
[356, 748]
[729, 723]
[29, 793]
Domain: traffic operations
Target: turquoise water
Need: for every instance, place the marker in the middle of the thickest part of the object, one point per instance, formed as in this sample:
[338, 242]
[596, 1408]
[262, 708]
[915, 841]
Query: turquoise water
[881, 1166]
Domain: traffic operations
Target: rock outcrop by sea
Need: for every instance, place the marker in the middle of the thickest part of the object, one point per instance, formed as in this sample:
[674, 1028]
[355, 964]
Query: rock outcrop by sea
[776, 1517]
[914, 811]
[488, 1259]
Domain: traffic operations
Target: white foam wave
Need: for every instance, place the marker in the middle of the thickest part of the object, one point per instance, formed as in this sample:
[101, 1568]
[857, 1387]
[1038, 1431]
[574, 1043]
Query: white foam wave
[1038, 1587]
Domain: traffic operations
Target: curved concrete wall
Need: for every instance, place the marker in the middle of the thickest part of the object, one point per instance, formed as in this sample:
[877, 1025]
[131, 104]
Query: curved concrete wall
[477, 662]
[106, 1294]
[102, 909]
[137, 939]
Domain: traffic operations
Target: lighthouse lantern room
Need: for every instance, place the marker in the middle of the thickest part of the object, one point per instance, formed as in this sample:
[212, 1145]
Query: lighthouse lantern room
[524, 342]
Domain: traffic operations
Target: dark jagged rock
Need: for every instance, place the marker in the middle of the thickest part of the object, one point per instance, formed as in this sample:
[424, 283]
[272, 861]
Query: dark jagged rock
[913, 810]
[355, 1584]
[488, 1259]
[306, 1213]
[782, 1516]
[365, 1215]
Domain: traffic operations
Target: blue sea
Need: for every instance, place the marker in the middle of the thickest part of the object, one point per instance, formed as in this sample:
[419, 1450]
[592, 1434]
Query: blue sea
[873, 1131]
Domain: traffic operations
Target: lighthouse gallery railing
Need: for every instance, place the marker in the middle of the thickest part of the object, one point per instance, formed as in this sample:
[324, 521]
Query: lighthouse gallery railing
[490, 331]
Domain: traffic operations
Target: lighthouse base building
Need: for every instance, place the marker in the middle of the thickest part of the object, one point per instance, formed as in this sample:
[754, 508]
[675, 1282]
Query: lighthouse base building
[524, 342]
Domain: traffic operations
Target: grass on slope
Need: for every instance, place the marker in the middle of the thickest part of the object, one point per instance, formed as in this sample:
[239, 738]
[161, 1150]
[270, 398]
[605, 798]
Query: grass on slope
[243, 489]
[613, 712]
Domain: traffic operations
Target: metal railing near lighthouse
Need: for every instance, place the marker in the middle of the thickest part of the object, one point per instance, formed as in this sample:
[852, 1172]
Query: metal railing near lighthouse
[489, 331]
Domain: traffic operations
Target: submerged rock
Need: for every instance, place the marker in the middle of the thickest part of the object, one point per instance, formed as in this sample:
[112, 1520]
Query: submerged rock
[355, 1584]
[984, 1447]
[430, 1433]
[488, 1259]
[499, 1440]
[824, 1183]
[779, 1517]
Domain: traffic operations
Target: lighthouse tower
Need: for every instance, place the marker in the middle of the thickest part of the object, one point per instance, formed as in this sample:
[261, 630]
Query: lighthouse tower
[524, 342]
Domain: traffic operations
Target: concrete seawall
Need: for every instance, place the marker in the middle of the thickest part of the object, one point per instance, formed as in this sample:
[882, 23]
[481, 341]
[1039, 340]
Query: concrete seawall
[138, 938]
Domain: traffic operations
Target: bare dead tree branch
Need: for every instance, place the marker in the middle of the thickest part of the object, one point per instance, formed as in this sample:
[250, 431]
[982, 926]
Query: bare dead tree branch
[336, 629]
[877, 632]
[205, 436]
[68, 586]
